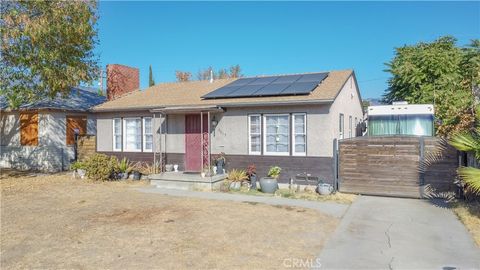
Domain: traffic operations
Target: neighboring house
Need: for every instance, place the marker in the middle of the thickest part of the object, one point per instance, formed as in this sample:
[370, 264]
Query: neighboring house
[401, 118]
[289, 120]
[41, 135]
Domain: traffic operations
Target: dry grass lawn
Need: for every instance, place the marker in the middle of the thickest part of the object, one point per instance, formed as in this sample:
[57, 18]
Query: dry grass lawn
[469, 214]
[54, 221]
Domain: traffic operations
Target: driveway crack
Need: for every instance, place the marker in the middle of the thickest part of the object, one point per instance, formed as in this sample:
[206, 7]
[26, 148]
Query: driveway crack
[387, 234]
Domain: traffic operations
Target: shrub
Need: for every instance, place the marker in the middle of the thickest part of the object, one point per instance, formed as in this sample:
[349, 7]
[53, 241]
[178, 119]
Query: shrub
[274, 171]
[146, 168]
[237, 175]
[78, 165]
[251, 170]
[101, 167]
[124, 166]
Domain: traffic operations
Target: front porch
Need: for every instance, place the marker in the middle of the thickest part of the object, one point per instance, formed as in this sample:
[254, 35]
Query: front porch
[185, 180]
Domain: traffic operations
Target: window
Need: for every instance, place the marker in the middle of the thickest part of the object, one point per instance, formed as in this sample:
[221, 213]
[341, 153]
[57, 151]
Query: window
[147, 134]
[299, 134]
[29, 129]
[277, 137]
[381, 125]
[255, 134]
[75, 123]
[350, 126]
[132, 130]
[355, 127]
[117, 134]
[341, 126]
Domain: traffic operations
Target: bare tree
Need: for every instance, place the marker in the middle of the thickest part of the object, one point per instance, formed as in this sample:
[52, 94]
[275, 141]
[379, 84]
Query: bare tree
[204, 74]
[222, 73]
[235, 71]
[183, 76]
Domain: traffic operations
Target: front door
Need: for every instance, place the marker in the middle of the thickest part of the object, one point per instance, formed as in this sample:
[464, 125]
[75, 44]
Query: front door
[193, 142]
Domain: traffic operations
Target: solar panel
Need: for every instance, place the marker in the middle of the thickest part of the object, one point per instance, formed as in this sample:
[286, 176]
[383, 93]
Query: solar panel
[314, 77]
[299, 88]
[287, 79]
[246, 91]
[269, 86]
[221, 92]
[272, 89]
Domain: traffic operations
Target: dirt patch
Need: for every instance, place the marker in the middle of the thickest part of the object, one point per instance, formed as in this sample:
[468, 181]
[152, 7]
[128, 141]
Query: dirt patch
[469, 214]
[54, 221]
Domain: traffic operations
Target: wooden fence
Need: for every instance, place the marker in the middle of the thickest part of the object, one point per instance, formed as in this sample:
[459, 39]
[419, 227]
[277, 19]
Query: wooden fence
[402, 166]
[87, 145]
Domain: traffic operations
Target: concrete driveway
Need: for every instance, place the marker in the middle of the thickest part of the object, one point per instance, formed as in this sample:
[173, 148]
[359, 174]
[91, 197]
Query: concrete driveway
[393, 233]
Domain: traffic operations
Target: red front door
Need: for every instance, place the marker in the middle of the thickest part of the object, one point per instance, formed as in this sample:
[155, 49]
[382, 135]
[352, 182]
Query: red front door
[193, 142]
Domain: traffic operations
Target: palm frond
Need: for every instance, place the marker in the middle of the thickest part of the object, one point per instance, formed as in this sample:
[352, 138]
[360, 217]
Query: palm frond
[471, 176]
[466, 142]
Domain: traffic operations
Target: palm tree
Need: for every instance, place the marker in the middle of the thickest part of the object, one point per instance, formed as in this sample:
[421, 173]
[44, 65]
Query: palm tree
[469, 142]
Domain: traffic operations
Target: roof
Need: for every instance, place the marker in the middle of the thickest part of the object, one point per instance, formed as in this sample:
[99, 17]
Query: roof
[190, 94]
[80, 99]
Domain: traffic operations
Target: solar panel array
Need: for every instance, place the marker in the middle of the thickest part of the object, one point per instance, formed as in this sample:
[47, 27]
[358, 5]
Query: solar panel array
[269, 86]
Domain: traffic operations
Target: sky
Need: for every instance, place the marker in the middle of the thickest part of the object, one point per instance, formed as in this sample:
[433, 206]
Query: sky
[268, 38]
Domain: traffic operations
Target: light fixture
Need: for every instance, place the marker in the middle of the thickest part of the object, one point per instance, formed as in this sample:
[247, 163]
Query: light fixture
[214, 122]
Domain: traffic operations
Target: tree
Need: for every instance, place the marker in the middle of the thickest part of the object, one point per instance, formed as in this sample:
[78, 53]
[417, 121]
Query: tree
[365, 104]
[204, 74]
[222, 73]
[469, 142]
[151, 81]
[183, 76]
[235, 71]
[47, 47]
[440, 73]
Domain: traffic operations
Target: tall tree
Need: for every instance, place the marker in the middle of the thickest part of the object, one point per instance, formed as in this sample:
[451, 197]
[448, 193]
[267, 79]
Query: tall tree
[151, 81]
[183, 76]
[440, 73]
[235, 71]
[204, 74]
[46, 47]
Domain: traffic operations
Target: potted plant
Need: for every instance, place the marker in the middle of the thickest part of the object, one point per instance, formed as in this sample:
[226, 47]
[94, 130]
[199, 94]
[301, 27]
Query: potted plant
[270, 184]
[236, 177]
[79, 168]
[220, 161]
[124, 168]
[252, 175]
[136, 171]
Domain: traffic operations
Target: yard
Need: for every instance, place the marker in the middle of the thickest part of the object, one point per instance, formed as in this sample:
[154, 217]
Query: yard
[54, 221]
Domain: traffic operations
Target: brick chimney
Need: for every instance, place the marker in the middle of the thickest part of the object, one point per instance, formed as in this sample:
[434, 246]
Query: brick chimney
[121, 80]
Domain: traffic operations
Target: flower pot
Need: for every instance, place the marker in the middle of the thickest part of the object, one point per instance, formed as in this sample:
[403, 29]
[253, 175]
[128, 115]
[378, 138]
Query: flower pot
[235, 185]
[169, 167]
[253, 181]
[137, 175]
[220, 164]
[268, 184]
[81, 173]
[124, 175]
[175, 167]
[324, 189]
[214, 169]
[202, 174]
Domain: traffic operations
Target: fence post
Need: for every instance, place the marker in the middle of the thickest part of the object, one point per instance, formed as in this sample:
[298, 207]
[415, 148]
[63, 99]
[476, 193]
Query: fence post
[421, 165]
[335, 164]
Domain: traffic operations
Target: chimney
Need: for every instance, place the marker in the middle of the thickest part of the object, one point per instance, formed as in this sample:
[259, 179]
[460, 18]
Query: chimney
[121, 80]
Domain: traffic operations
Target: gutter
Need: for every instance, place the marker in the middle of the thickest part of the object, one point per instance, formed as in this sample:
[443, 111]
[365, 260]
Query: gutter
[220, 105]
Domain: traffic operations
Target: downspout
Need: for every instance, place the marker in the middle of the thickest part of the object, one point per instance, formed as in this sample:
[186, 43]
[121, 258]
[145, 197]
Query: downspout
[154, 146]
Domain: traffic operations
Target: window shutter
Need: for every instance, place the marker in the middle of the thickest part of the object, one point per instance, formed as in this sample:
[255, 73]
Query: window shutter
[75, 122]
[29, 129]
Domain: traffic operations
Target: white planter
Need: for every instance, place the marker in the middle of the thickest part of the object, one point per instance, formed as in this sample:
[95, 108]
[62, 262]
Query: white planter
[175, 167]
[81, 173]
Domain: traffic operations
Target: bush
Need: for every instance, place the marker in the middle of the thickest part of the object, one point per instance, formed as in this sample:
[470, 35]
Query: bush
[124, 165]
[78, 165]
[101, 167]
[237, 175]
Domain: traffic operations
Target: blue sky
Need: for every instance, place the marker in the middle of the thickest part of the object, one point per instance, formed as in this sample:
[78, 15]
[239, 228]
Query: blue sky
[275, 37]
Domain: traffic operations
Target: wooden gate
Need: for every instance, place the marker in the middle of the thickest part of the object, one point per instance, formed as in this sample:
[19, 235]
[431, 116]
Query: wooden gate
[400, 166]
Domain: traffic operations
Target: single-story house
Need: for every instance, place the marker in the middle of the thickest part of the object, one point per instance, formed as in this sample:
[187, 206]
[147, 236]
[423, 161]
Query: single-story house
[41, 135]
[289, 120]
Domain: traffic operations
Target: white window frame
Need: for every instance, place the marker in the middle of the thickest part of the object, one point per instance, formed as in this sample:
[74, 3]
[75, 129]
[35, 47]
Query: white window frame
[124, 137]
[250, 152]
[265, 135]
[355, 127]
[350, 126]
[114, 137]
[341, 126]
[292, 127]
[144, 135]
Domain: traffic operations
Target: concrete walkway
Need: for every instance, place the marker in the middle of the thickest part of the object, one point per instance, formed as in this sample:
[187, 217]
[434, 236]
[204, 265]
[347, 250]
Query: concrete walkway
[392, 233]
[334, 209]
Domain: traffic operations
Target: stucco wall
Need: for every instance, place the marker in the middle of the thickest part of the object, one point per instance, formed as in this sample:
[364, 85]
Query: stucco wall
[347, 102]
[51, 154]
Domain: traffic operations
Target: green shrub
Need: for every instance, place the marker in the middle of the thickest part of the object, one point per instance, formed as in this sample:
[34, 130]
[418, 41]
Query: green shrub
[124, 165]
[274, 171]
[101, 167]
[78, 165]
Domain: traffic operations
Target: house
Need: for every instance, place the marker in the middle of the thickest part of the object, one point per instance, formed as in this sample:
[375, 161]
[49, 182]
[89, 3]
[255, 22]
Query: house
[289, 120]
[401, 118]
[41, 135]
